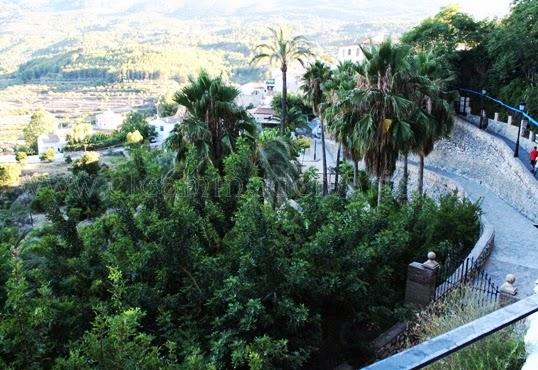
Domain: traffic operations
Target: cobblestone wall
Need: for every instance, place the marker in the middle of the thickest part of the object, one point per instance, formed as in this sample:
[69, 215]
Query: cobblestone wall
[477, 155]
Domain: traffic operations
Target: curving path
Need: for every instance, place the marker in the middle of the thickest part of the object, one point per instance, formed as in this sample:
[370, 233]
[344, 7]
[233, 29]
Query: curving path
[516, 238]
[500, 183]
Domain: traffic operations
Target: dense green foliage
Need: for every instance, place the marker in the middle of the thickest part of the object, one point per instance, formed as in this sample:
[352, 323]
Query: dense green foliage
[212, 276]
[498, 55]
[219, 254]
[9, 174]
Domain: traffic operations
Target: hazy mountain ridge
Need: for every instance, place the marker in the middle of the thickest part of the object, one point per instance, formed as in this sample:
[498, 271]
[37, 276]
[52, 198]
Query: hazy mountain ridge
[349, 10]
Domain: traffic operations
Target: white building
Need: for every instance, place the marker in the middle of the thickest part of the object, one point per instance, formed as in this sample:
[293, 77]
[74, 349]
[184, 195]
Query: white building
[256, 93]
[252, 94]
[108, 120]
[350, 53]
[55, 141]
[265, 116]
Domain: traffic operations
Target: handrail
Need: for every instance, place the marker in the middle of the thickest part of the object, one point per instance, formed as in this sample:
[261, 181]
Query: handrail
[500, 102]
[443, 345]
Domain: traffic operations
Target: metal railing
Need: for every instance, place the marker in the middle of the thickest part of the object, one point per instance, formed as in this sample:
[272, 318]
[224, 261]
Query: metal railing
[443, 345]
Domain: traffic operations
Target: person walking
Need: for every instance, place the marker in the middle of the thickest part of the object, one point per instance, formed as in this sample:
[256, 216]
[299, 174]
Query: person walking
[533, 158]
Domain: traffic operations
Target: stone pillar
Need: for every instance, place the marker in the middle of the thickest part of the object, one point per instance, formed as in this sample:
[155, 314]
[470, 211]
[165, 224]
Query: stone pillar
[496, 117]
[509, 120]
[507, 291]
[421, 281]
[468, 105]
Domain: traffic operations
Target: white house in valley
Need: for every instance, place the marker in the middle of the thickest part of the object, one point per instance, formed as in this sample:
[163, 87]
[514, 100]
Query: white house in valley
[164, 125]
[55, 141]
[350, 53]
[108, 121]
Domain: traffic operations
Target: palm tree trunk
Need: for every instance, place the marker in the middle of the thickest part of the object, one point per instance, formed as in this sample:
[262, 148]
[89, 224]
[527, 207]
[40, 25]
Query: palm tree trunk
[355, 173]
[324, 157]
[379, 189]
[336, 170]
[284, 102]
[421, 175]
[275, 195]
[405, 179]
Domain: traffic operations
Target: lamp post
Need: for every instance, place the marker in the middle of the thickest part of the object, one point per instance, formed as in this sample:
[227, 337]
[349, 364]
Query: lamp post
[522, 109]
[482, 110]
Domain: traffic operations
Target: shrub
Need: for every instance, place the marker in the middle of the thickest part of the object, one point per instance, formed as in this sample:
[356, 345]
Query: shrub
[502, 350]
[10, 173]
[89, 162]
[134, 137]
[303, 143]
[49, 155]
[21, 157]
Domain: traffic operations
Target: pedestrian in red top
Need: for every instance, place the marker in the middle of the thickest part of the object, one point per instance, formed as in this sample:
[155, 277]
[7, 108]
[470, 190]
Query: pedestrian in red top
[534, 157]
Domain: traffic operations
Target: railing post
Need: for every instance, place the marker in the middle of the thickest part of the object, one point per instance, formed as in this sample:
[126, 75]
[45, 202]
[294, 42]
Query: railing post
[496, 117]
[421, 281]
[507, 291]
[509, 121]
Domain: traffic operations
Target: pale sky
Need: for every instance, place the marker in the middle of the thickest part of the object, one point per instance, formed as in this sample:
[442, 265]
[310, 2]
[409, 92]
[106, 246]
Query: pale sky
[484, 8]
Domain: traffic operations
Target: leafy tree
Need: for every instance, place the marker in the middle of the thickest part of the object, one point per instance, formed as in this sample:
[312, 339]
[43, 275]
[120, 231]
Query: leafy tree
[135, 121]
[167, 106]
[512, 45]
[445, 31]
[282, 51]
[81, 133]
[293, 101]
[48, 155]
[41, 122]
[89, 163]
[21, 157]
[10, 174]
[26, 322]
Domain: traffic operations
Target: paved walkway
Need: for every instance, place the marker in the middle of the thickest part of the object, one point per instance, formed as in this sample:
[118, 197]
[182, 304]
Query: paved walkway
[516, 238]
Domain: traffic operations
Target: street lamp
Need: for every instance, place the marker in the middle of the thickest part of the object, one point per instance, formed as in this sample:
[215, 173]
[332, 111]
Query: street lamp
[522, 109]
[482, 111]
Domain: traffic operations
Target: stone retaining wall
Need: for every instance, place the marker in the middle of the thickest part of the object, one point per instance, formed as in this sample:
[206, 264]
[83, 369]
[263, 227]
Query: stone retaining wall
[479, 156]
[506, 130]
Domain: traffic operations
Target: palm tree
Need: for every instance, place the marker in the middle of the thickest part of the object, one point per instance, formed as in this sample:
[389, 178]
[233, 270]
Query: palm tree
[276, 158]
[315, 76]
[213, 121]
[282, 51]
[434, 118]
[382, 110]
[339, 115]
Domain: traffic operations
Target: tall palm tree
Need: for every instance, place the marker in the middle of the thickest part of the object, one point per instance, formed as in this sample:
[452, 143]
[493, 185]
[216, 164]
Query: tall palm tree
[213, 121]
[339, 115]
[315, 76]
[434, 118]
[282, 51]
[382, 110]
